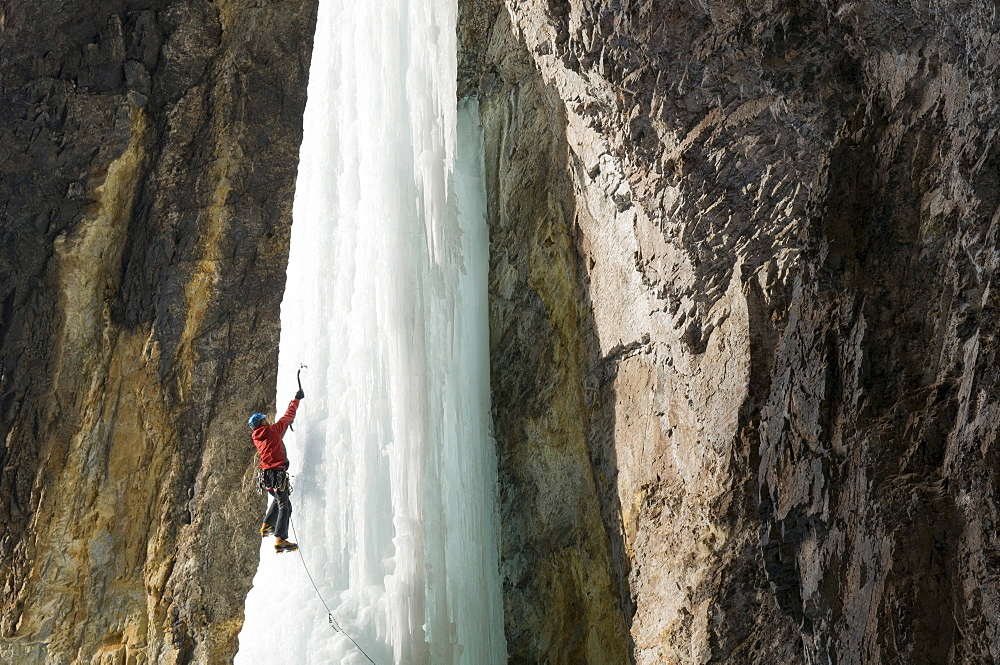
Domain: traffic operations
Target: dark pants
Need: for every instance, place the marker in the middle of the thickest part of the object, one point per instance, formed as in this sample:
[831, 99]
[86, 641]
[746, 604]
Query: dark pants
[278, 513]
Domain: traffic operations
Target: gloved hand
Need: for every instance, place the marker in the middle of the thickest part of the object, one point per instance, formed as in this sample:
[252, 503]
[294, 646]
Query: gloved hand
[300, 394]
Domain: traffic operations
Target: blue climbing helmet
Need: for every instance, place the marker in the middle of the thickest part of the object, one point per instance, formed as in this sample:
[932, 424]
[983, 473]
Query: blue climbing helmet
[255, 420]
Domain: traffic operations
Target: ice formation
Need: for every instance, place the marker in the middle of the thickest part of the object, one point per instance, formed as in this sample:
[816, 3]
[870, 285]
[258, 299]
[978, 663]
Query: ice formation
[393, 463]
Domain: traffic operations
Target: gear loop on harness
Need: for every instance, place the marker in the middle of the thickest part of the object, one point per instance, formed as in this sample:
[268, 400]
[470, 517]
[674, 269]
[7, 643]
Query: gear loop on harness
[275, 480]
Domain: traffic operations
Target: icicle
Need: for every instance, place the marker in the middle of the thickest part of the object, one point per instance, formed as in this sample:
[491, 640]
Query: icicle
[386, 303]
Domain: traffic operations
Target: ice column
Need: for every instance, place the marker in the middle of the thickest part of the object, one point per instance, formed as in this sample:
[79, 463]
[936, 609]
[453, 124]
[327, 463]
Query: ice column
[393, 463]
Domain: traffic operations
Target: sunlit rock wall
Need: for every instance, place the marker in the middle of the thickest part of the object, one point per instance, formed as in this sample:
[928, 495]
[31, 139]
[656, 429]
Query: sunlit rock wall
[742, 314]
[147, 161]
[742, 319]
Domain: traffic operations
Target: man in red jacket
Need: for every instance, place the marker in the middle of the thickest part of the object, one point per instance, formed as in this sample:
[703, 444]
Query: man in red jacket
[274, 473]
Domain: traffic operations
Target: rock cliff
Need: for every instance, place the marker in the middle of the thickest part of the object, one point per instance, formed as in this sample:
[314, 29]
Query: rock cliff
[147, 162]
[743, 326]
[743, 318]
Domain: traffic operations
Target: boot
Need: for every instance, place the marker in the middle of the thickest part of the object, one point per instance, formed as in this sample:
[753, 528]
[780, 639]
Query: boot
[282, 545]
[266, 530]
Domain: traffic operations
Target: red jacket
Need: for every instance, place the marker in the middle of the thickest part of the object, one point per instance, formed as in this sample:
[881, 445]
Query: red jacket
[269, 443]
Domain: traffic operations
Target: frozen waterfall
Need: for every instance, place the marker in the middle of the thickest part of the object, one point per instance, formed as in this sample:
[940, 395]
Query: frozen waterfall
[393, 463]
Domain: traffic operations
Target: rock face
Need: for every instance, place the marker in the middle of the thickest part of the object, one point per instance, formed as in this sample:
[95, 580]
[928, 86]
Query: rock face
[742, 309]
[743, 324]
[147, 162]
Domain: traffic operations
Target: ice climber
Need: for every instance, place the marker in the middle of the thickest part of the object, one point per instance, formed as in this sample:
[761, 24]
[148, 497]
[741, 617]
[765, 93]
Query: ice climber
[274, 473]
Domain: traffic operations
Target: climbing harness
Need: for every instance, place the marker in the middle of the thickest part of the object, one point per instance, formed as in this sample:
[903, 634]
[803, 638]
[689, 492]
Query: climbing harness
[329, 612]
[273, 479]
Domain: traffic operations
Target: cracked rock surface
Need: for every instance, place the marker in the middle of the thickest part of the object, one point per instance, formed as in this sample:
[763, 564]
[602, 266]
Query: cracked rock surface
[743, 318]
[147, 160]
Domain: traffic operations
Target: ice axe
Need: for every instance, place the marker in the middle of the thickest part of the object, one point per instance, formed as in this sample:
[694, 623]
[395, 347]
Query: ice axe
[298, 377]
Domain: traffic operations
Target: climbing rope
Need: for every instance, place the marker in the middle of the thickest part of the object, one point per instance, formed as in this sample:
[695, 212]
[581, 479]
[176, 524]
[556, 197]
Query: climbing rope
[329, 612]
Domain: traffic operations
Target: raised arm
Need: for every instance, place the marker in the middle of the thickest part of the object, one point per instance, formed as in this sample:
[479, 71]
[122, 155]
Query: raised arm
[289, 416]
